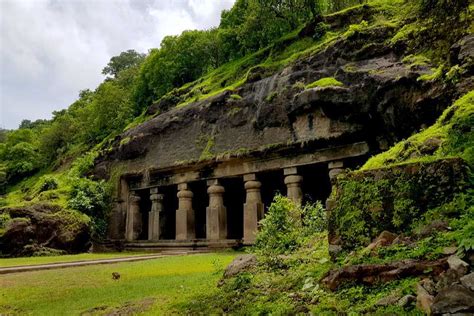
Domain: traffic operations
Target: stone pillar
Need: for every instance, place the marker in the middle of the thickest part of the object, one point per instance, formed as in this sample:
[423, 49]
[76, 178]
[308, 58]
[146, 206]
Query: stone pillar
[134, 218]
[154, 228]
[253, 208]
[293, 184]
[185, 229]
[216, 217]
[335, 168]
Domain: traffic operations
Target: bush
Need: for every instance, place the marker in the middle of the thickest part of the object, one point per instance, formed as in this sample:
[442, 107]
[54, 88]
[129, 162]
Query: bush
[91, 198]
[287, 226]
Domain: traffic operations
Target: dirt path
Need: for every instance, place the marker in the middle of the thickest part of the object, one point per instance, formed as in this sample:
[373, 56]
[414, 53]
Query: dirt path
[79, 263]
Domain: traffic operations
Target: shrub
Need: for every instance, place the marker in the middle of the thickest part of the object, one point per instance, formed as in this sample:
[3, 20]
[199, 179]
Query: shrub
[287, 226]
[89, 197]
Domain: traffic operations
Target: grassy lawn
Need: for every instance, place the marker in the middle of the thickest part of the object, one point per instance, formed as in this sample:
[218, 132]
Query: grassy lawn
[151, 286]
[26, 261]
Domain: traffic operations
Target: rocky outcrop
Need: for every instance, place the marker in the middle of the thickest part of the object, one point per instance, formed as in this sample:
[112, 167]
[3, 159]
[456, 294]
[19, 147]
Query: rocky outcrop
[42, 229]
[381, 102]
[371, 274]
[390, 199]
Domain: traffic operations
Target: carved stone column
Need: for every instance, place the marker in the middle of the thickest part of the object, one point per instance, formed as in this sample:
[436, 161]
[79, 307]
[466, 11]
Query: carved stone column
[117, 219]
[154, 228]
[216, 216]
[134, 218]
[293, 184]
[185, 229]
[335, 168]
[253, 208]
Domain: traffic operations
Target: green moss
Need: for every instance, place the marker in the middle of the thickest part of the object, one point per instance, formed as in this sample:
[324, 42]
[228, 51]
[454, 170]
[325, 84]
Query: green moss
[437, 73]
[207, 151]
[417, 60]
[356, 28]
[325, 82]
[453, 129]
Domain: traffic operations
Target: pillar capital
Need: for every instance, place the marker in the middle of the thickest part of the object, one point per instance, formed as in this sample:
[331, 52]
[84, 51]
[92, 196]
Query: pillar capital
[216, 189]
[252, 185]
[185, 194]
[293, 179]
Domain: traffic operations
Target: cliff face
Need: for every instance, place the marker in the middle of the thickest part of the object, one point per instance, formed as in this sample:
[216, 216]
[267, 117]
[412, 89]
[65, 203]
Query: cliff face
[381, 100]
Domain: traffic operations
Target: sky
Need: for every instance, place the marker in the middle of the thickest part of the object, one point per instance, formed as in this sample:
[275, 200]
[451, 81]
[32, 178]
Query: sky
[52, 49]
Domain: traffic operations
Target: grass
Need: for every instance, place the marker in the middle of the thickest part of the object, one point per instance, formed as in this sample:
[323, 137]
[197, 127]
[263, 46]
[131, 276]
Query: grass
[152, 287]
[26, 261]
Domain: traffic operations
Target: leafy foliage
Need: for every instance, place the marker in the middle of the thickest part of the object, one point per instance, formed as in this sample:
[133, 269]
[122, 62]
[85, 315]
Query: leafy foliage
[287, 226]
[125, 60]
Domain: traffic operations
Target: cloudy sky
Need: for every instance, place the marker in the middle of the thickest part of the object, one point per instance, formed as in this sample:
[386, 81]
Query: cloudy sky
[51, 49]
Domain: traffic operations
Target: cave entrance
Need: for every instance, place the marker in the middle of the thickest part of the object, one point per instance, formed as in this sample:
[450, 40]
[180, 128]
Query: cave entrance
[200, 202]
[272, 183]
[168, 216]
[145, 207]
[316, 183]
[234, 199]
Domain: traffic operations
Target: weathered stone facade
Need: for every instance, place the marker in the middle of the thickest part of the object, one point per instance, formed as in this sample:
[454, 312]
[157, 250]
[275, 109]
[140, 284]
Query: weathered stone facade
[205, 172]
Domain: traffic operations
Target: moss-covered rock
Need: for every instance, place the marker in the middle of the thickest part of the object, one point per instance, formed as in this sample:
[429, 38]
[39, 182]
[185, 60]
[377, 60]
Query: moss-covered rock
[369, 202]
[43, 228]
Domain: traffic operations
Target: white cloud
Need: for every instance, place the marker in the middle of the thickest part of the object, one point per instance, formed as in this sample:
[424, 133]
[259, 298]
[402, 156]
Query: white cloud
[51, 49]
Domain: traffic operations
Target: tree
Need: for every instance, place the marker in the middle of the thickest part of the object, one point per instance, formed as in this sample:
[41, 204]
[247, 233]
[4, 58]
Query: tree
[125, 60]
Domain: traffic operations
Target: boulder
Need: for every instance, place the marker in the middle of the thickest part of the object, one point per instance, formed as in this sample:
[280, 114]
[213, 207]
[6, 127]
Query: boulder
[459, 266]
[468, 281]
[43, 228]
[240, 264]
[453, 299]
[424, 300]
[370, 274]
